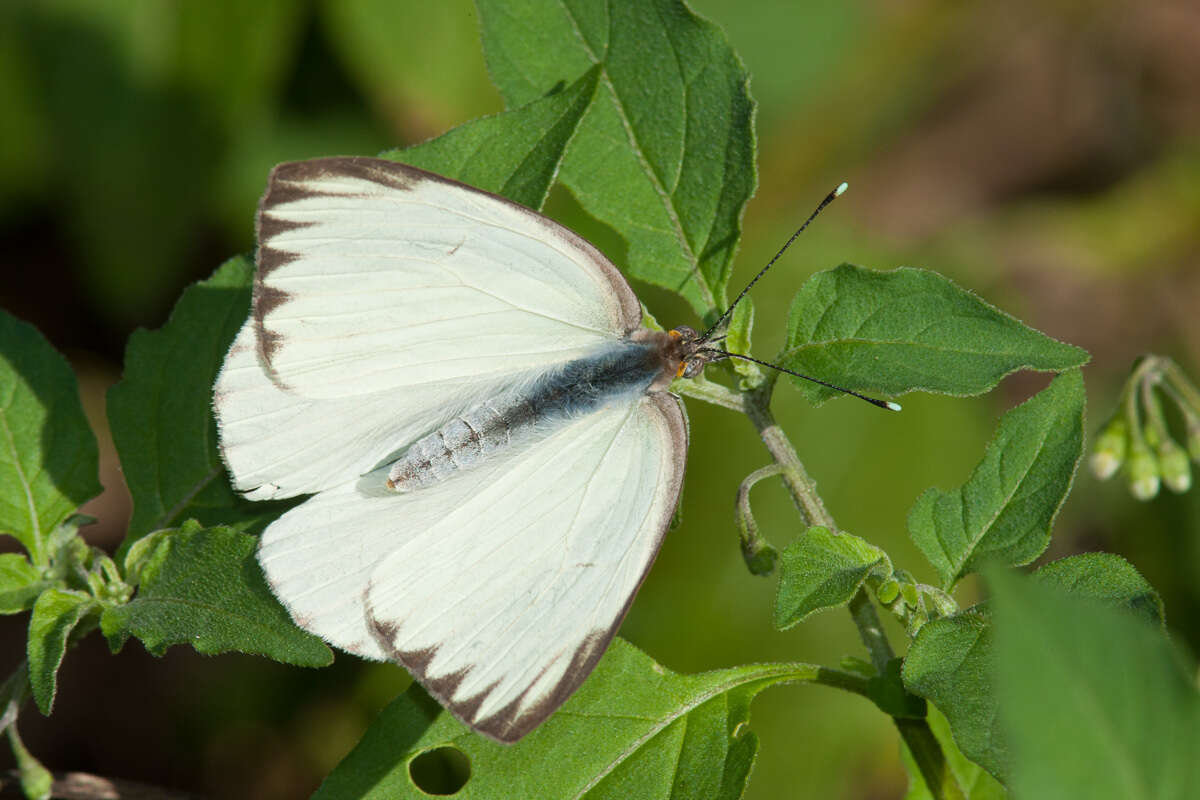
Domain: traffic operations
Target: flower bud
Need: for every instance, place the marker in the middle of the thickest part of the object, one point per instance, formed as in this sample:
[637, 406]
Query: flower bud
[1110, 449]
[1194, 442]
[1143, 472]
[888, 591]
[1173, 463]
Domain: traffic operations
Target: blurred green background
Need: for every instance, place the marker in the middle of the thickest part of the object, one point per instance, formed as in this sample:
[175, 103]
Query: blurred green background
[1045, 154]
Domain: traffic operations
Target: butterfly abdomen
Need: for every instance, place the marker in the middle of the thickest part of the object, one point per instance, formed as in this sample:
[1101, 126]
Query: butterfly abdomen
[578, 387]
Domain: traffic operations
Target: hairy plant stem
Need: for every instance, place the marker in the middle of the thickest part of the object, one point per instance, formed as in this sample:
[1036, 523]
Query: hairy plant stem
[925, 749]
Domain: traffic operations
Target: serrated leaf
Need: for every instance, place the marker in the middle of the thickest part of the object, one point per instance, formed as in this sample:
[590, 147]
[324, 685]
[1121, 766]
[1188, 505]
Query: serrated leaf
[203, 587]
[55, 615]
[908, 330]
[952, 660]
[665, 155]
[1093, 699]
[161, 411]
[515, 154]
[1005, 510]
[634, 729]
[48, 454]
[821, 570]
[20, 583]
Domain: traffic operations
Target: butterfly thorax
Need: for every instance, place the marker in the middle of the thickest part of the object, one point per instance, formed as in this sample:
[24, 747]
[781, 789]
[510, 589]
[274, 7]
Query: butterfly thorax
[632, 366]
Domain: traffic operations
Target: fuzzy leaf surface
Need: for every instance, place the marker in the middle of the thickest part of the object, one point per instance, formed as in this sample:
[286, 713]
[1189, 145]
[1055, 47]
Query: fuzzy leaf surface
[203, 587]
[821, 569]
[908, 330]
[20, 583]
[1005, 510]
[55, 615]
[48, 455]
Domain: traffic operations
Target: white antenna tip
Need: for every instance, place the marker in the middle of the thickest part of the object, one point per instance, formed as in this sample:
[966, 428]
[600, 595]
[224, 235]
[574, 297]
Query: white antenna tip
[892, 406]
[843, 186]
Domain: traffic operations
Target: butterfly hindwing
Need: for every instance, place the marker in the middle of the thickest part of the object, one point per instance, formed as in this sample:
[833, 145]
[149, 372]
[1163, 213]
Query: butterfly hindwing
[500, 588]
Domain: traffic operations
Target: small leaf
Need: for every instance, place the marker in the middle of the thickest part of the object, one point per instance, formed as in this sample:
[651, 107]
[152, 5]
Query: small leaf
[908, 330]
[515, 154]
[821, 570]
[665, 155]
[203, 587]
[20, 583]
[633, 730]
[48, 454]
[1005, 510]
[161, 411]
[1093, 699]
[951, 661]
[55, 615]
[737, 340]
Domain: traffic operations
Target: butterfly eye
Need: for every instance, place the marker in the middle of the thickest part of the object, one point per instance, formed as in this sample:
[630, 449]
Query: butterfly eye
[693, 368]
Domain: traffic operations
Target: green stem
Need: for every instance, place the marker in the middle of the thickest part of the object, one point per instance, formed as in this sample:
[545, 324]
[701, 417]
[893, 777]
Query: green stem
[926, 750]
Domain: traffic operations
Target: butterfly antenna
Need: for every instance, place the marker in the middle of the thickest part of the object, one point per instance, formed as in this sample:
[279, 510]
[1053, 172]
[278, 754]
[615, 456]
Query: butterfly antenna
[829, 198]
[890, 406]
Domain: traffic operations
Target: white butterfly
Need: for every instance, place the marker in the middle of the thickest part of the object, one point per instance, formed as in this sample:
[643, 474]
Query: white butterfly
[466, 390]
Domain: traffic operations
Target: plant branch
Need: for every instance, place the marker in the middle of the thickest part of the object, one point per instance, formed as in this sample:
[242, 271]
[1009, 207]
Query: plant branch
[926, 750]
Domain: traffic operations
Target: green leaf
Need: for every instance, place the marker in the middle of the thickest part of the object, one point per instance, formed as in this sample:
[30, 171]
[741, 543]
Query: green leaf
[950, 663]
[515, 154]
[20, 583]
[634, 729]
[975, 782]
[48, 454]
[1108, 579]
[821, 570]
[55, 615]
[665, 155]
[1093, 699]
[37, 782]
[952, 660]
[203, 587]
[1005, 510]
[908, 330]
[161, 411]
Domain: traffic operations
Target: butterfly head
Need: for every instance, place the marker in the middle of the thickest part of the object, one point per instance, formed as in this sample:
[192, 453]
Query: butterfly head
[693, 351]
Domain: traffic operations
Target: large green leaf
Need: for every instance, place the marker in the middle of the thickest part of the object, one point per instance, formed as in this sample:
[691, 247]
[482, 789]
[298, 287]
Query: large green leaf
[48, 454]
[822, 569]
[203, 587]
[161, 411]
[1004, 511]
[55, 615]
[952, 660]
[665, 155]
[634, 729]
[908, 330]
[515, 154]
[1095, 701]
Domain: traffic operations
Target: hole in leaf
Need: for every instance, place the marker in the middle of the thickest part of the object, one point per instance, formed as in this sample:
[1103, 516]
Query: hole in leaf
[443, 771]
